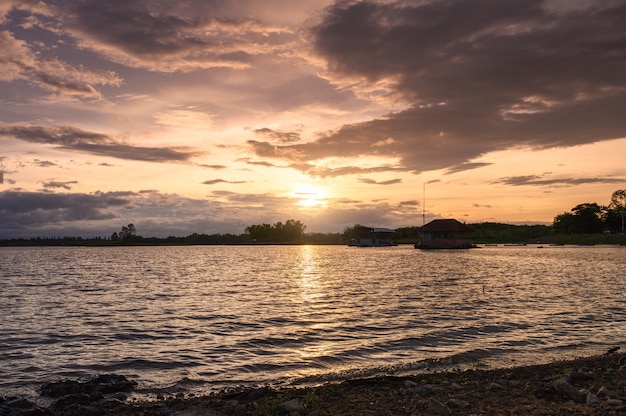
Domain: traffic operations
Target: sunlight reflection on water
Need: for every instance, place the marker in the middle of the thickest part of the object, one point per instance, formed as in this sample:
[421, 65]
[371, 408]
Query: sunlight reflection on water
[225, 315]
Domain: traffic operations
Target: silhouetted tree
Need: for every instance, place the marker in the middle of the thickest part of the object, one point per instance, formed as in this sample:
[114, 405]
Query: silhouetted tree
[588, 217]
[618, 203]
[583, 219]
[128, 233]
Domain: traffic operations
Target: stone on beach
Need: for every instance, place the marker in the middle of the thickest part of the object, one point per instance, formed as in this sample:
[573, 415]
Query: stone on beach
[436, 408]
[592, 399]
[290, 407]
[563, 387]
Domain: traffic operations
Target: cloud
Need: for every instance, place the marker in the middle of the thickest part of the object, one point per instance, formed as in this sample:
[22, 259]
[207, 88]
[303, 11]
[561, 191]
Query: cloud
[332, 172]
[373, 182]
[279, 136]
[67, 185]
[19, 62]
[465, 166]
[478, 77]
[216, 181]
[257, 162]
[166, 36]
[44, 163]
[265, 149]
[184, 119]
[217, 167]
[71, 138]
[556, 182]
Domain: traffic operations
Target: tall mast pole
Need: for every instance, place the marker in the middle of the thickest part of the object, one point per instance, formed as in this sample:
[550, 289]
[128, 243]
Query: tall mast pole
[424, 206]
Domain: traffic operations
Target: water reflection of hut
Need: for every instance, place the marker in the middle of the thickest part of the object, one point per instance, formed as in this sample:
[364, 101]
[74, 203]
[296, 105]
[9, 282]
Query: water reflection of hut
[372, 237]
[445, 234]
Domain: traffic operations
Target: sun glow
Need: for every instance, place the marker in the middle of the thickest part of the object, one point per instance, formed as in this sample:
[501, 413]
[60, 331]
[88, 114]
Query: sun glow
[310, 196]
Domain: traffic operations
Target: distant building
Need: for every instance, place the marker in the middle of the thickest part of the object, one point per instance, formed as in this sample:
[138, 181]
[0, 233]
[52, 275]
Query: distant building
[373, 237]
[445, 234]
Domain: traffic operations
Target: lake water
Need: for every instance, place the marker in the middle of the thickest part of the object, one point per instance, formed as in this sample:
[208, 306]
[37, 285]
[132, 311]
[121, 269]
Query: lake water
[202, 318]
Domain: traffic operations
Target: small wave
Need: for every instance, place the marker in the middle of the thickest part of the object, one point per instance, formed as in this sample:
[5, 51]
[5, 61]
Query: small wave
[477, 355]
[137, 364]
[10, 356]
[185, 381]
[396, 369]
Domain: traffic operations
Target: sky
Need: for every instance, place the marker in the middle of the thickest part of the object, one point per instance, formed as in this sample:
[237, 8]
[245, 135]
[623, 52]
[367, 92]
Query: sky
[209, 116]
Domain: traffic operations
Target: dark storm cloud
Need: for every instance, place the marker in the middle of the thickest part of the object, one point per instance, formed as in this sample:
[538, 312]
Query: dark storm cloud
[481, 76]
[75, 139]
[19, 211]
[557, 182]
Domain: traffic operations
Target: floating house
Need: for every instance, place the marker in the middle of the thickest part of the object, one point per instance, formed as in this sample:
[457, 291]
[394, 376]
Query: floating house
[445, 234]
[373, 237]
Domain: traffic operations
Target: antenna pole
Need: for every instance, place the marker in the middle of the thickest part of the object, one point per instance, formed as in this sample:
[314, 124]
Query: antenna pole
[424, 206]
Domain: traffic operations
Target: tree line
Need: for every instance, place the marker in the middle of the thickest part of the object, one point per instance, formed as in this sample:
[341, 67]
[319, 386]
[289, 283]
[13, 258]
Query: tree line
[290, 231]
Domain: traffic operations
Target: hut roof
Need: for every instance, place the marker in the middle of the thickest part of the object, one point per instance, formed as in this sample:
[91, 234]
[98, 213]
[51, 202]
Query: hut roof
[446, 226]
[382, 230]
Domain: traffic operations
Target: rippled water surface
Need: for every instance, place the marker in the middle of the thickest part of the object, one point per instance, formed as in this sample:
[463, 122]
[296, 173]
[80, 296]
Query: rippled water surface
[207, 317]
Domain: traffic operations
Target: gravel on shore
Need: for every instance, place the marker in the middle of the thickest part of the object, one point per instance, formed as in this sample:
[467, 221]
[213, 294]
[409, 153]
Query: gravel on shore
[583, 386]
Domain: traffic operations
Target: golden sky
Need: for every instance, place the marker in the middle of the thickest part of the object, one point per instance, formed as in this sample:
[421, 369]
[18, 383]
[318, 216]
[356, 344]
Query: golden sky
[211, 115]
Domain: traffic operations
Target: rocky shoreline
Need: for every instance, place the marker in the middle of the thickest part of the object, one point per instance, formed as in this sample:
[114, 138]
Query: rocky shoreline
[584, 386]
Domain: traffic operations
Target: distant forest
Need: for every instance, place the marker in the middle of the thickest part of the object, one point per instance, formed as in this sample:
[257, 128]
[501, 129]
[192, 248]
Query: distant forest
[587, 223]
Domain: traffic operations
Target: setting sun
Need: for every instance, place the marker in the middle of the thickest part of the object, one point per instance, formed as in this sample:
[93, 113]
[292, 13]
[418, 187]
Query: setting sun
[310, 196]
